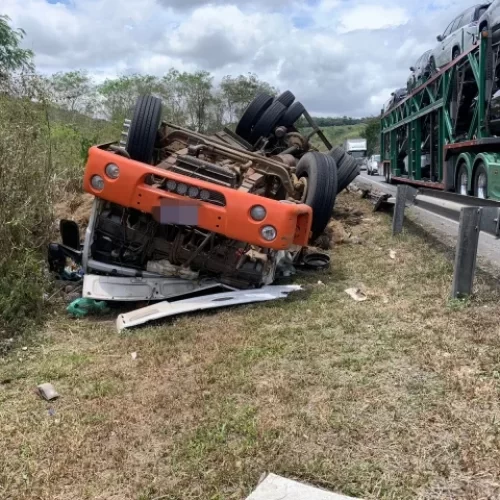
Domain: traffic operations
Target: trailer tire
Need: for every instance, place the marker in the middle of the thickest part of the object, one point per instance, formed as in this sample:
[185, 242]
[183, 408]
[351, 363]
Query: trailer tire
[268, 121]
[338, 154]
[286, 98]
[462, 180]
[321, 173]
[481, 182]
[292, 114]
[143, 128]
[252, 114]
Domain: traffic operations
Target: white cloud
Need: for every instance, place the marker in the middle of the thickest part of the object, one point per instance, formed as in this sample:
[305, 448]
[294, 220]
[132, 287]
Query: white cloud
[338, 57]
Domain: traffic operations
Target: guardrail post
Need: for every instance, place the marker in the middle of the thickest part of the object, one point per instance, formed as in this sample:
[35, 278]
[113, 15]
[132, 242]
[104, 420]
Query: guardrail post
[466, 253]
[399, 209]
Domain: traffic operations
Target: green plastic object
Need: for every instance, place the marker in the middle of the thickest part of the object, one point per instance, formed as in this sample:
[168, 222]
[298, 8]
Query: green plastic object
[82, 307]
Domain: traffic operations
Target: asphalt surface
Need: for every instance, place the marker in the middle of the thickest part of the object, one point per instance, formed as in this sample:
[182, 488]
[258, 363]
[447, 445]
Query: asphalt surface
[445, 229]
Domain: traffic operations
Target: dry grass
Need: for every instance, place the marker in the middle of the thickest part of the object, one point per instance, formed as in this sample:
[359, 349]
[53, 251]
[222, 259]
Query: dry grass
[396, 397]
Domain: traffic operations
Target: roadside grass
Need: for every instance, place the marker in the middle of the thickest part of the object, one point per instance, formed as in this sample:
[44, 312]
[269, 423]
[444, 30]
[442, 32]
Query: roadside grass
[396, 397]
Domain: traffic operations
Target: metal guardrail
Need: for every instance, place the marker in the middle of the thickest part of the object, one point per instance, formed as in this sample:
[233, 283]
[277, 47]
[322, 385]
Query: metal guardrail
[473, 215]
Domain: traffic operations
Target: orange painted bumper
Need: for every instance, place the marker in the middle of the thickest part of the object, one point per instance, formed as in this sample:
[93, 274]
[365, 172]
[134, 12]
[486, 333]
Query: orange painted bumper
[291, 221]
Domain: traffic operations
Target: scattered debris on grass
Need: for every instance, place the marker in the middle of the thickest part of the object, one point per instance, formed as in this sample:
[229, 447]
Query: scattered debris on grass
[47, 392]
[356, 294]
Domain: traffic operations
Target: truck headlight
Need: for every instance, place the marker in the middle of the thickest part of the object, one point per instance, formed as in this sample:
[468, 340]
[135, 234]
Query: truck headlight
[171, 185]
[112, 171]
[268, 233]
[258, 212]
[97, 182]
[205, 194]
[193, 192]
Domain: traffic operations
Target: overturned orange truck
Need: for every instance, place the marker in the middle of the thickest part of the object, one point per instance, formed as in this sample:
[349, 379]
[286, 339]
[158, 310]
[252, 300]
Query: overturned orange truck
[176, 211]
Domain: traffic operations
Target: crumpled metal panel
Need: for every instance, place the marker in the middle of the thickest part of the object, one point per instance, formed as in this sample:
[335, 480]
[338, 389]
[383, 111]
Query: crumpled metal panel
[214, 301]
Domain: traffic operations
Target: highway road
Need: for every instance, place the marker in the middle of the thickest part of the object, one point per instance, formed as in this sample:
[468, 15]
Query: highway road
[445, 229]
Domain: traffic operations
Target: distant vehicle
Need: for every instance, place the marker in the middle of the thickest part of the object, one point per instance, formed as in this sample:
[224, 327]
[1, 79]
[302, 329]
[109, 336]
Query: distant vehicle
[357, 149]
[460, 35]
[373, 165]
[420, 72]
[490, 20]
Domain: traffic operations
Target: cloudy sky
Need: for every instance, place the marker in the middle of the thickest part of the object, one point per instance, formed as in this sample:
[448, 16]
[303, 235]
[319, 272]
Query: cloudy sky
[339, 57]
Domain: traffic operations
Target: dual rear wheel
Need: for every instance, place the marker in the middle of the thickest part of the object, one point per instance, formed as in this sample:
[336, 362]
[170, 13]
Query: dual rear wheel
[479, 181]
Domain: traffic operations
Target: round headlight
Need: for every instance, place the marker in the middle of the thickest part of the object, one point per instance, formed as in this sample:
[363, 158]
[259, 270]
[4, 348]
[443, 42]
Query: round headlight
[97, 182]
[112, 171]
[171, 185]
[258, 212]
[193, 192]
[205, 194]
[181, 188]
[268, 233]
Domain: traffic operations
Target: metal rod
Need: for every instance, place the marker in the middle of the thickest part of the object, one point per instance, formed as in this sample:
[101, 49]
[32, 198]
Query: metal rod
[399, 209]
[313, 125]
[466, 253]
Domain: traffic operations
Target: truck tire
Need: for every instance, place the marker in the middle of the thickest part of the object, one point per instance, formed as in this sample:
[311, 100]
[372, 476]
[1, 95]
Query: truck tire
[143, 128]
[481, 182]
[286, 98]
[338, 154]
[321, 173]
[462, 180]
[268, 121]
[292, 114]
[252, 115]
[347, 173]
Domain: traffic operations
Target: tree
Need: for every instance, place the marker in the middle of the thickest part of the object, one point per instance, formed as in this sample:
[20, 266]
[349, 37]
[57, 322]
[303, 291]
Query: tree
[72, 89]
[119, 94]
[12, 56]
[196, 89]
[171, 93]
[237, 93]
[372, 136]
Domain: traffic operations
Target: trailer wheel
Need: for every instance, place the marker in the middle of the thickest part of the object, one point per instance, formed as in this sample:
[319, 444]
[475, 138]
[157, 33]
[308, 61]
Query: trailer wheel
[462, 181]
[388, 175]
[252, 114]
[481, 182]
[321, 173]
[143, 128]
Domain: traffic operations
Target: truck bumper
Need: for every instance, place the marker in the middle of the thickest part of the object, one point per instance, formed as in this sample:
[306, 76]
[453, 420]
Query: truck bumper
[226, 212]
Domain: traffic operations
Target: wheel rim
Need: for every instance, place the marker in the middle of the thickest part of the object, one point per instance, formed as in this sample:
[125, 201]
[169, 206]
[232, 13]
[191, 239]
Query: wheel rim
[481, 186]
[463, 183]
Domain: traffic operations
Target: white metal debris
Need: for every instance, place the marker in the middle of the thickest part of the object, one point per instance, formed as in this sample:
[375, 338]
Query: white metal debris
[226, 299]
[275, 487]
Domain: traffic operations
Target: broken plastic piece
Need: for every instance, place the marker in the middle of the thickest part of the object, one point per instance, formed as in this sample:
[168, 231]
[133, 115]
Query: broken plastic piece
[356, 294]
[47, 391]
[82, 306]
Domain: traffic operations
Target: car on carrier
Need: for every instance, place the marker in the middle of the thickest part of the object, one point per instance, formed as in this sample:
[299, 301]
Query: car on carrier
[490, 20]
[459, 36]
[174, 208]
[420, 72]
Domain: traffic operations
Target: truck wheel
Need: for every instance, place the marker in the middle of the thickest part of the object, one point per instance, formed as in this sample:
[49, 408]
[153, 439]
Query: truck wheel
[252, 115]
[293, 113]
[462, 182]
[388, 175]
[481, 182]
[268, 121]
[286, 98]
[321, 173]
[338, 154]
[143, 128]
[347, 173]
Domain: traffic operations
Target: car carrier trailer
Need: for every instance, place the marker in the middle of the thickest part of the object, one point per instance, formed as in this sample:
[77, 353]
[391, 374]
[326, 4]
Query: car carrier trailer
[446, 133]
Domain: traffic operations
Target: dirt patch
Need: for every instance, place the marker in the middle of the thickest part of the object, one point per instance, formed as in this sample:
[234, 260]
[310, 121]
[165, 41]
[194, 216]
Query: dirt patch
[77, 207]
